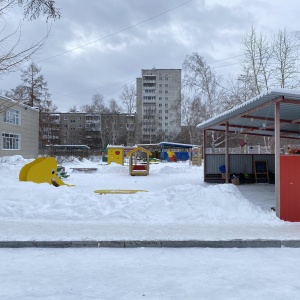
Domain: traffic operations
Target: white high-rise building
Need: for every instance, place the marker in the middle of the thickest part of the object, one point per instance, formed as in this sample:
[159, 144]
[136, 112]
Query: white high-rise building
[158, 96]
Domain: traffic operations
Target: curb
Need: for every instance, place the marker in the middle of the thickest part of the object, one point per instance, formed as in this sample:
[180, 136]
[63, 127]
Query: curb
[154, 244]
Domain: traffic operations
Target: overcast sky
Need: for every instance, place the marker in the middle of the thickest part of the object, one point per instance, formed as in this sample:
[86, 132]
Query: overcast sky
[99, 45]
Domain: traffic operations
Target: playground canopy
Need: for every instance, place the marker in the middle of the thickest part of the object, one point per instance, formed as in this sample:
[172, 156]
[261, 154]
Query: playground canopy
[181, 150]
[272, 113]
[169, 145]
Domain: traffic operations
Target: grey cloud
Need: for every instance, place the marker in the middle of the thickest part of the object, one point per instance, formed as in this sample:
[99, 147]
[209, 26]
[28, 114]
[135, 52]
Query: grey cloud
[214, 31]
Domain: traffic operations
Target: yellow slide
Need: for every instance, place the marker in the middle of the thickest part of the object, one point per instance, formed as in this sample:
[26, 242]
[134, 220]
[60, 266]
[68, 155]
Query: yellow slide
[42, 169]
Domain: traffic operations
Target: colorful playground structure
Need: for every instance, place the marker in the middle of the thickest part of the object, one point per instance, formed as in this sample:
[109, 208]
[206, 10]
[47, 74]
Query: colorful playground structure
[171, 156]
[41, 170]
[164, 152]
[117, 153]
[139, 161]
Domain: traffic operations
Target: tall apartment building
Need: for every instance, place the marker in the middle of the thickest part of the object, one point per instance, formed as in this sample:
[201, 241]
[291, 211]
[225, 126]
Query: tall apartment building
[158, 96]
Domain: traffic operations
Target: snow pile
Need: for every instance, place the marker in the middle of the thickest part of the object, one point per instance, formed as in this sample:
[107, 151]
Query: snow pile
[176, 194]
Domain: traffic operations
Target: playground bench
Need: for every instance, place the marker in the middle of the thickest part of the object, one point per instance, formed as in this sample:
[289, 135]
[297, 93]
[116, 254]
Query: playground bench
[86, 170]
[139, 168]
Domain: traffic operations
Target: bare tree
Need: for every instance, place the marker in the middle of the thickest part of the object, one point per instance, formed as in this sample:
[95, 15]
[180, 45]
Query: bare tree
[200, 78]
[73, 109]
[48, 129]
[270, 62]
[97, 106]
[10, 57]
[33, 9]
[128, 98]
[204, 84]
[35, 86]
[256, 63]
[114, 108]
[192, 113]
[285, 49]
[18, 94]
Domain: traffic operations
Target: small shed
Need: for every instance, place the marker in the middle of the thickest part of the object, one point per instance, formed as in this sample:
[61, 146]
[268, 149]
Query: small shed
[139, 161]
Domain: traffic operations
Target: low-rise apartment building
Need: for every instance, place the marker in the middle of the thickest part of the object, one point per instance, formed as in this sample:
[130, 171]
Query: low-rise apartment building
[92, 129]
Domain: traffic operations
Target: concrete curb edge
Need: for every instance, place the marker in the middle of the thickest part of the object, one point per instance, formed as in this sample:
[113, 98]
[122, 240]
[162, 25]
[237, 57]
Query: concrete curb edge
[238, 243]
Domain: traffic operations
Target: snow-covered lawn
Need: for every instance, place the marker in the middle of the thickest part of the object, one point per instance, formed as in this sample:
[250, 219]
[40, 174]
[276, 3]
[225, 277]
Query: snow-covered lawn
[177, 206]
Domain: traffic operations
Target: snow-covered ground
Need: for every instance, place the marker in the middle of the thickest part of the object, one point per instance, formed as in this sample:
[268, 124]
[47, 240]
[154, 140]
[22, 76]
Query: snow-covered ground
[177, 206]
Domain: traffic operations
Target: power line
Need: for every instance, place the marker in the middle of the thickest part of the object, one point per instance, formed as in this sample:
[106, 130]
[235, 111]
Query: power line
[117, 32]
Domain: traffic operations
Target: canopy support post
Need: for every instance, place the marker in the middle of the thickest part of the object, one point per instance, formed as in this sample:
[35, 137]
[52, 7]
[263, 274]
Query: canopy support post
[227, 162]
[277, 158]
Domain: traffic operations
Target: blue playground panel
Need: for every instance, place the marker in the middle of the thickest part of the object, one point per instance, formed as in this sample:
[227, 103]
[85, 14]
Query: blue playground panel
[182, 156]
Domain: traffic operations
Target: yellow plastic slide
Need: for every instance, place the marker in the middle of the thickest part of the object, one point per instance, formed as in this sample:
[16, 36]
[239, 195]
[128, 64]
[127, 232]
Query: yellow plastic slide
[42, 169]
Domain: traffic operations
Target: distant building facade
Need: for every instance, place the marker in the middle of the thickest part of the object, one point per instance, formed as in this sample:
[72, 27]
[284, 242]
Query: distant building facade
[158, 101]
[19, 125]
[94, 130]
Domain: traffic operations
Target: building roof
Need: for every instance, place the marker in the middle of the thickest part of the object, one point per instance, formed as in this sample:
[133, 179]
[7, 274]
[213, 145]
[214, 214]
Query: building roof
[170, 145]
[10, 103]
[138, 149]
[257, 116]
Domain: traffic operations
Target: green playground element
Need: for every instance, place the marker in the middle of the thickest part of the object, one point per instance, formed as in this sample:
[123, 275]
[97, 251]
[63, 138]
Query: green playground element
[61, 172]
[103, 192]
[104, 153]
[153, 160]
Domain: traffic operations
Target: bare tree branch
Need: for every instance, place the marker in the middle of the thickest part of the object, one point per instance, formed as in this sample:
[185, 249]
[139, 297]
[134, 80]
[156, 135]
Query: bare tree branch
[33, 9]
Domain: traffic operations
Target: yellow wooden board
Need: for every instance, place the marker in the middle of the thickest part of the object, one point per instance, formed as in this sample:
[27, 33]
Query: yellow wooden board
[101, 192]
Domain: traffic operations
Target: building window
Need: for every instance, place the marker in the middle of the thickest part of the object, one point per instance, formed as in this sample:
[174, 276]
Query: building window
[160, 105]
[166, 98]
[12, 116]
[166, 105]
[160, 98]
[166, 92]
[166, 111]
[166, 85]
[65, 118]
[10, 141]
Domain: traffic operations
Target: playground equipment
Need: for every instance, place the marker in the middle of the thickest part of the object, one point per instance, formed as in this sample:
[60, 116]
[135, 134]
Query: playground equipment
[196, 156]
[117, 153]
[42, 169]
[171, 156]
[139, 161]
[61, 172]
[104, 153]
